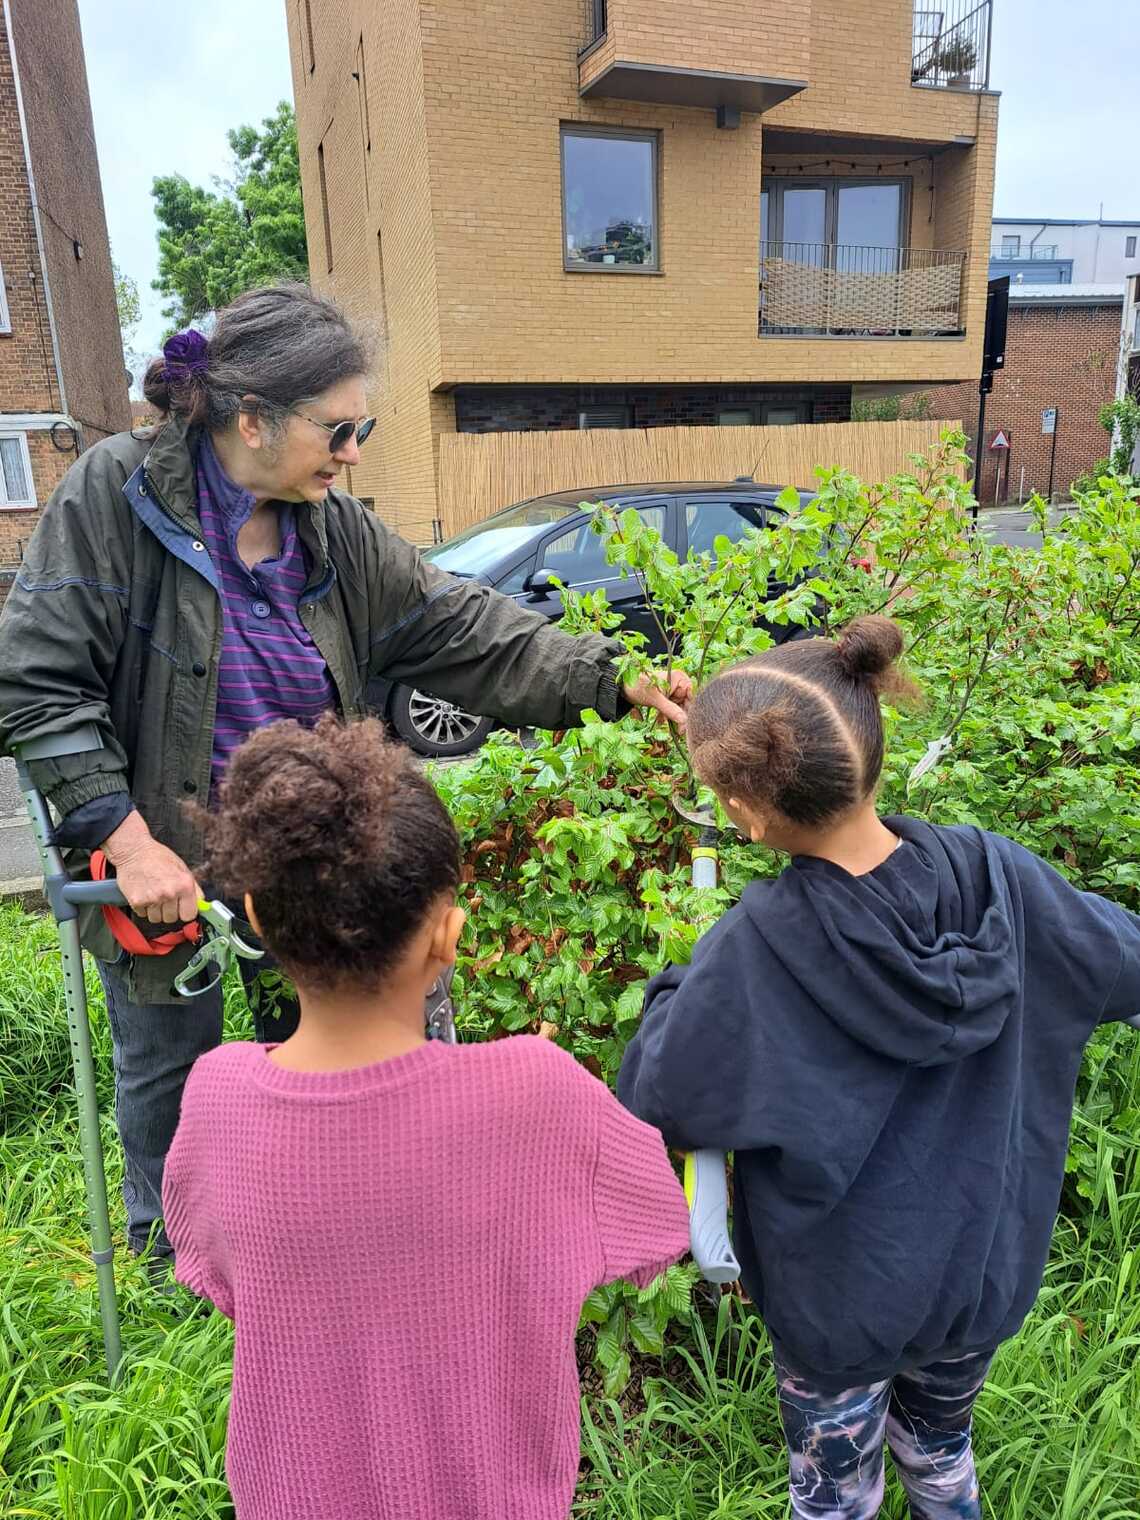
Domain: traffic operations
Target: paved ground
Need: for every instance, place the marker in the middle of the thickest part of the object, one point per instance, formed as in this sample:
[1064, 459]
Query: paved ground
[19, 863]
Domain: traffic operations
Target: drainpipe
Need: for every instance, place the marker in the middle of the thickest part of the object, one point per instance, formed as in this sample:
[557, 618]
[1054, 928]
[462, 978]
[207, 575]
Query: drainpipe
[36, 222]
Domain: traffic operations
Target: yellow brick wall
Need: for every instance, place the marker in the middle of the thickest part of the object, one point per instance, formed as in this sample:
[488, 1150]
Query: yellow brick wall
[859, 78]
[509, 312]
[379, 211]
[724, 36]
[463, 179]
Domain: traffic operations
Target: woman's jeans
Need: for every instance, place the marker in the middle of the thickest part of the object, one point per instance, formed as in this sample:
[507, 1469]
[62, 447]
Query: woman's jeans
[154, 1048]
[835, 1441]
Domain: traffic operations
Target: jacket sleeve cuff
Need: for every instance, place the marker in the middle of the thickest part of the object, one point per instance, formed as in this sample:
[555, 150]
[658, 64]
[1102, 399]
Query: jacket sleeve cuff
[611, 702]
[90, 824]
[66, 796]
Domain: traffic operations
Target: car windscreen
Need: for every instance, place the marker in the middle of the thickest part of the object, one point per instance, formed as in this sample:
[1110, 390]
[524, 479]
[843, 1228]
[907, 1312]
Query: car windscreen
[485, 546]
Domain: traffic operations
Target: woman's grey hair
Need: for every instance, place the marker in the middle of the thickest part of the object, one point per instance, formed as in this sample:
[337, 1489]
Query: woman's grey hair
[280, 343]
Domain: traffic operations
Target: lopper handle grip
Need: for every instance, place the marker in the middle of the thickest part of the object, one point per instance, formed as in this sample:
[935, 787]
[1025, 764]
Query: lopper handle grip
[707, 1192]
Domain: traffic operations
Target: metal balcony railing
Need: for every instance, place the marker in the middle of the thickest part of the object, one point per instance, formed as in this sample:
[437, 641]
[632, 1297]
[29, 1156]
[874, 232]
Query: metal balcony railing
[1041, 251]
[951, 47]
[855, 291]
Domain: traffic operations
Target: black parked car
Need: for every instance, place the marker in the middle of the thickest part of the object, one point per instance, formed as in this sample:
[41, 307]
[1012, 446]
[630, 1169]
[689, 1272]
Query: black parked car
[522, 549]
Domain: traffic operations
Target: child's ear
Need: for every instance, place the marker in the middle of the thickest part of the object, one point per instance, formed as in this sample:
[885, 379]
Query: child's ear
[755, 822]
[252, 917]
[445, 940]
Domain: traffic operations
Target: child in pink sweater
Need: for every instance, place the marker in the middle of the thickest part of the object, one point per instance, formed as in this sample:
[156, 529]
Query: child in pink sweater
[403, 1232]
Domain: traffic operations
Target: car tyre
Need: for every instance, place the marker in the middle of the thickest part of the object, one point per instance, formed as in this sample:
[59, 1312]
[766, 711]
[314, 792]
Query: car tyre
[434, 727]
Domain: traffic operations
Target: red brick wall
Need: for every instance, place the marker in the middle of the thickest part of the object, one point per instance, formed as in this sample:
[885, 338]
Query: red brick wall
[27, 371]
[53, 81]
[1062, 356]
[53, 84]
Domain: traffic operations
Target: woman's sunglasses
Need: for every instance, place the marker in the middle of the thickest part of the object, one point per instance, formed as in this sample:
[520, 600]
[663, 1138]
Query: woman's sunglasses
[340, 432]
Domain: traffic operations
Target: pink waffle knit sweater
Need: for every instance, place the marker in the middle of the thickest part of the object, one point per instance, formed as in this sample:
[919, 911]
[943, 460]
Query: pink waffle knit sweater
[404, 1250]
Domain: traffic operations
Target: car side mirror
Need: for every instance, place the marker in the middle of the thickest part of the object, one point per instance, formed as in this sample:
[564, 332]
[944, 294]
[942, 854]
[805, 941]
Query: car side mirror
[541, 583]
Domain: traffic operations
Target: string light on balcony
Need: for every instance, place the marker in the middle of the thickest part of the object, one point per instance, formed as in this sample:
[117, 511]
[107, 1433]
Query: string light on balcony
[838, 163]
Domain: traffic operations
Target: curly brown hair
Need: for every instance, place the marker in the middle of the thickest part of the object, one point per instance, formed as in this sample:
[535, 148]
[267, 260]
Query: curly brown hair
[341, 842]
[799, 727]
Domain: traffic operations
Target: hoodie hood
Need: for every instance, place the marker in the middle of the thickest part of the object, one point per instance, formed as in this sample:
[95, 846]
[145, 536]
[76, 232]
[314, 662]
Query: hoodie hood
[917, 960]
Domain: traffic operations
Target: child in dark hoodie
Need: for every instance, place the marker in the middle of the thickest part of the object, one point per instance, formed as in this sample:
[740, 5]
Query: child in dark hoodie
[888, 1037]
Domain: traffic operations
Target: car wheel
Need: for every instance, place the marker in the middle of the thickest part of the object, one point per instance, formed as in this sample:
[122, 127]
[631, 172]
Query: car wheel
[432, 726]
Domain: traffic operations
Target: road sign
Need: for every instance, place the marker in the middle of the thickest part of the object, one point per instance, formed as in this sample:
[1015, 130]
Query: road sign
[1049, 420]
[1000, 439]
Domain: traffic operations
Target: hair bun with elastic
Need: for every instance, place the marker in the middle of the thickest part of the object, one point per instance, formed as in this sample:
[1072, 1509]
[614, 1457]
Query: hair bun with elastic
[869, 646]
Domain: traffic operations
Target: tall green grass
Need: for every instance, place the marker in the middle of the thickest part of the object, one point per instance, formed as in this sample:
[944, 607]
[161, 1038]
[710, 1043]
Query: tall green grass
[1058, 1429]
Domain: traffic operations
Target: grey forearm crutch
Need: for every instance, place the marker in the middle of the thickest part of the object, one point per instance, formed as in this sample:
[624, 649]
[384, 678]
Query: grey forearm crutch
[64, 897]
[705, 1185]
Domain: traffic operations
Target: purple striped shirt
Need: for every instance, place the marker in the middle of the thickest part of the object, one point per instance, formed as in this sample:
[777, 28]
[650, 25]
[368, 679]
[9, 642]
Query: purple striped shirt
[269, 668]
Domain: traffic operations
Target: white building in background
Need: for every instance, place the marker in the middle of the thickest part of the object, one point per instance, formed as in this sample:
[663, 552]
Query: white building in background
[1032, 250]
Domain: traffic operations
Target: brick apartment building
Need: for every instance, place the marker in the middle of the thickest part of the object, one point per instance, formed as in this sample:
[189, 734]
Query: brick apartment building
[63, 384]
[1061, 353]
[581, 213]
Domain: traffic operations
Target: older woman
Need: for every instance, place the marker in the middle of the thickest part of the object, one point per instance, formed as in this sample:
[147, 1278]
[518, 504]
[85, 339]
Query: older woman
[189, 585]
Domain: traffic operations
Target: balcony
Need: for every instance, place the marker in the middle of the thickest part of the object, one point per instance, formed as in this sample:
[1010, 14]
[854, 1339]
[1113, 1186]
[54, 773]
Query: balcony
[952, 45]
[838, 290]
[667, 53]
[1007, 251]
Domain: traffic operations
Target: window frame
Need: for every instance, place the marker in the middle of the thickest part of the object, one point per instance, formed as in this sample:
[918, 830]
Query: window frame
[1130, 246]
[20, 436]
[774, 185]
[622, 134]
[1008, 252]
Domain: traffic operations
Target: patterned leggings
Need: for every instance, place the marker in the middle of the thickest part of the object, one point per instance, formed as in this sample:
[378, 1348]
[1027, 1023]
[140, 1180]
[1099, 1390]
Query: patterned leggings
[835, 1442]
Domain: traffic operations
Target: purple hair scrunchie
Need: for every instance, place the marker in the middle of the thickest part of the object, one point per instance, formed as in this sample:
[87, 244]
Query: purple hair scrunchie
[186, 354]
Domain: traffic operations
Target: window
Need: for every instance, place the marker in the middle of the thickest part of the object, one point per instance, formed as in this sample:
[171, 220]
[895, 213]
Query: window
[784, 416]
[848, 224]
[361, 76]
[325, 205]
[609, 200]
[603, 417]
[578, 557]
[382, 292]
[1129, 247]
[5, 315]
[307, 29]
[1011, 245]
[736, 416]
[16, 488]
[706, 521]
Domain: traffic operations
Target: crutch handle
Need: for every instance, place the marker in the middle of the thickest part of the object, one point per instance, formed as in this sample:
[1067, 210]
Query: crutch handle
[108, 893]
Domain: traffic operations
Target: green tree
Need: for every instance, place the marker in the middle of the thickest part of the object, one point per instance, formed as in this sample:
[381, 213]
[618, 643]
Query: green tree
[130, 315]
[246, 231]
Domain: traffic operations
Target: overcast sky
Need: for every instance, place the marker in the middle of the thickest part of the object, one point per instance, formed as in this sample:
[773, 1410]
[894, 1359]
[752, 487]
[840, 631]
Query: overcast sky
[168, 81]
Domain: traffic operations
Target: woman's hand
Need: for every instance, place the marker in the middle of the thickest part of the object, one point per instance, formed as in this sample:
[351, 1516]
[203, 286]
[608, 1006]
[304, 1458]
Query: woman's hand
[670, 701]
[157, 885]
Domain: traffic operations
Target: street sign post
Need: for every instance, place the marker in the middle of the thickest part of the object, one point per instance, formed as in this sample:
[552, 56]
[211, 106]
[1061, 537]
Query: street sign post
[1049, 429]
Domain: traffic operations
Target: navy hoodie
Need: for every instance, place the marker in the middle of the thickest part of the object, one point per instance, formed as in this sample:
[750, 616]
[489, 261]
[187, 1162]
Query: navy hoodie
[893, 1059]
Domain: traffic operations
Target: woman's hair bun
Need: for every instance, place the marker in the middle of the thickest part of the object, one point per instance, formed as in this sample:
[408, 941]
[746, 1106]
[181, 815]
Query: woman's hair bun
[869, 646]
